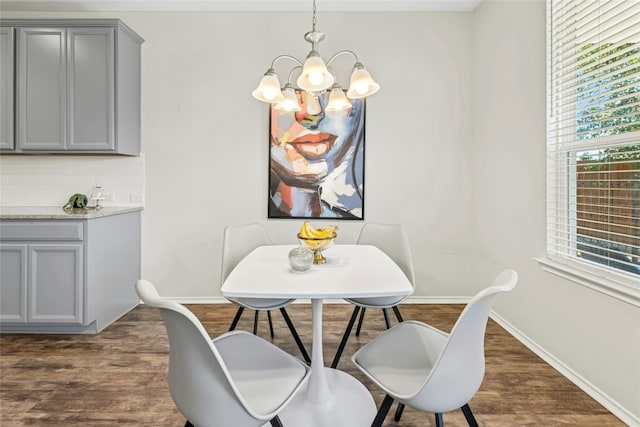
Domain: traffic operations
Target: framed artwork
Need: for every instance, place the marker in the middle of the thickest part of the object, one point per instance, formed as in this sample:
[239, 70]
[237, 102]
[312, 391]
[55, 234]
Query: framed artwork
[316, 161]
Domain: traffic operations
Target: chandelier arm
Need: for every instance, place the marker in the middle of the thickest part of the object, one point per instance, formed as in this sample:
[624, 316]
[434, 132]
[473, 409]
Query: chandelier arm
[340, 53]
[293, 58]
[297, 67]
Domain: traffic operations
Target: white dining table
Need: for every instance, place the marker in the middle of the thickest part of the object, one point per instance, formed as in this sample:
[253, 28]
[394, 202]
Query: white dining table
[331, 398]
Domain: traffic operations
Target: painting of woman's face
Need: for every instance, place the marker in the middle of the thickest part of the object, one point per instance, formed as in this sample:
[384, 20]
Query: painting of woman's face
[317, 161]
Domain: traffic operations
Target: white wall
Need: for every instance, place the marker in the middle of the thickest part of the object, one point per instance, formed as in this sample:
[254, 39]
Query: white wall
[590, 336]
[201, 121]
[205, 137]
[454, 150]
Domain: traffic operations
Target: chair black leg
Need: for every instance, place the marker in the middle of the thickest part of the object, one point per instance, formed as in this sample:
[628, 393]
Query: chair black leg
[386, 318]
[270, 323]
[236, 318]
[336, 359]
[360, 321]
[471, 420]
[255, 323]
[439, 422]
[383, 411]
[292, 328]
[275, 422]
[399, 410]
[188, 424]
[396, 310]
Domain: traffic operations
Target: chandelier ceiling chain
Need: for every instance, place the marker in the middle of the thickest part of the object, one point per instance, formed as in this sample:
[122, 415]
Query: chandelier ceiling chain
[313, 22]
[316, 77]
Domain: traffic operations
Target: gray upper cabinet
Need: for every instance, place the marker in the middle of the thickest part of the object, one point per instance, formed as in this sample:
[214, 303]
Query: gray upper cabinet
[77, 87]
[7, 56]
[91, 96]
[42, 87]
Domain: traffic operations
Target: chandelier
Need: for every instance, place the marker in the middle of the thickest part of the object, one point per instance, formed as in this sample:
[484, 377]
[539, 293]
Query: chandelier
[316, 77]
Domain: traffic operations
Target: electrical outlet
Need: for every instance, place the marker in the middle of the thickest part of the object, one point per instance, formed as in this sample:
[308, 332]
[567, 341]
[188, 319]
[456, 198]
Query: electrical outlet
[135, 198]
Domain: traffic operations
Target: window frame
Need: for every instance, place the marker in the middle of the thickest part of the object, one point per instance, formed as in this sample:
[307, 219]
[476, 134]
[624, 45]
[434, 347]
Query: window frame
[562, 172]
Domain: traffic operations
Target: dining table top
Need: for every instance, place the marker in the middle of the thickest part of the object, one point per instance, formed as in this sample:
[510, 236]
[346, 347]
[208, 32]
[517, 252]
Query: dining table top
[350, 271]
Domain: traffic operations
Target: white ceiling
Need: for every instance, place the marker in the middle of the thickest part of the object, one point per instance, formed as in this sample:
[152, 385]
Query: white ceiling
[242, 5]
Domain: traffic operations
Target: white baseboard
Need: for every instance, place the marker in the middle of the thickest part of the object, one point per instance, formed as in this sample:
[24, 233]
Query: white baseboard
[610, 404]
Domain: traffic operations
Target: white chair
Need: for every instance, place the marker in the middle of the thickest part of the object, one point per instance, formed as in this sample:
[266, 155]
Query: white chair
[430, 370]
[392, 240]
[238, 241]
[236, 379]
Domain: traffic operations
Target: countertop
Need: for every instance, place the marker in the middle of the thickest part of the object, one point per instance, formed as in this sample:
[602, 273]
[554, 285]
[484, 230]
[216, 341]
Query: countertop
[56, 212]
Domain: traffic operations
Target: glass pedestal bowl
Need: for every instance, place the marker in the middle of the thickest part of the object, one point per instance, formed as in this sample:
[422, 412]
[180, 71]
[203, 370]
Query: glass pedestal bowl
[317, 245]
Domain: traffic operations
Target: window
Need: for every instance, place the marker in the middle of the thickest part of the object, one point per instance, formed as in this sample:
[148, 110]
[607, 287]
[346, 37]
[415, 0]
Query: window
[593, 143]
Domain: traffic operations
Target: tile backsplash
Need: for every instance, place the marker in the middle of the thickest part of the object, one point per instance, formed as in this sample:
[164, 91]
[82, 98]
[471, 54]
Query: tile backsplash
[49, 180]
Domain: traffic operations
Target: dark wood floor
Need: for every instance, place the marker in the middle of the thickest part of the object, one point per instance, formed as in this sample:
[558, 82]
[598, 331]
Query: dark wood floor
[118, 377]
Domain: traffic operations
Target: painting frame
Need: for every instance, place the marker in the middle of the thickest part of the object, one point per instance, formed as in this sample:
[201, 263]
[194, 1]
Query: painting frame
[316, 161]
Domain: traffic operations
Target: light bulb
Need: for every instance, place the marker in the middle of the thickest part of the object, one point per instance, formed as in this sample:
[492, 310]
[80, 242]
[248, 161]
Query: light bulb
[269, 88]
[337, 100]
[290, 101]
[361, 83]
[361, 87]
[315, 78]
[269, 94]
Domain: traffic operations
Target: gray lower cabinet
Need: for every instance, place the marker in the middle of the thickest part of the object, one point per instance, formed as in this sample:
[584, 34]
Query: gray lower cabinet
[28, 271]
[13, 282]
[68, 276]
[77, 86]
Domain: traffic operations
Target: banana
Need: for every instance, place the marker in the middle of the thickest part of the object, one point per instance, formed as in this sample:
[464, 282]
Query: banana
[307, 231]
[326, 232]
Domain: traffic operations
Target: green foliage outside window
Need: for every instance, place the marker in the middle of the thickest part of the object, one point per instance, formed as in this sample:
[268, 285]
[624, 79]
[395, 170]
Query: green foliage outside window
[605, 95]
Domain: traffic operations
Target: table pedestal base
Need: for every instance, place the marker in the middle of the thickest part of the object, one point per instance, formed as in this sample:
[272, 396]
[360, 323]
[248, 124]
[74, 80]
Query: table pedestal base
[350, 405]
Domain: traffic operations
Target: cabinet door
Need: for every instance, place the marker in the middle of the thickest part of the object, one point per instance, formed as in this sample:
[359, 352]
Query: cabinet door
[6, 88]
[91, 68]
[13, 283]
[41, 77]
[56, 288]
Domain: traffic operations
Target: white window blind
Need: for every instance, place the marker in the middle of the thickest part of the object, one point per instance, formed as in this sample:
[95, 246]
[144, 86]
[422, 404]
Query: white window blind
[593, 143]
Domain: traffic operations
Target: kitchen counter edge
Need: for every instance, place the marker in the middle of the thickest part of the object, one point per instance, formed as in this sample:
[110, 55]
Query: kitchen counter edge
[56, 212]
